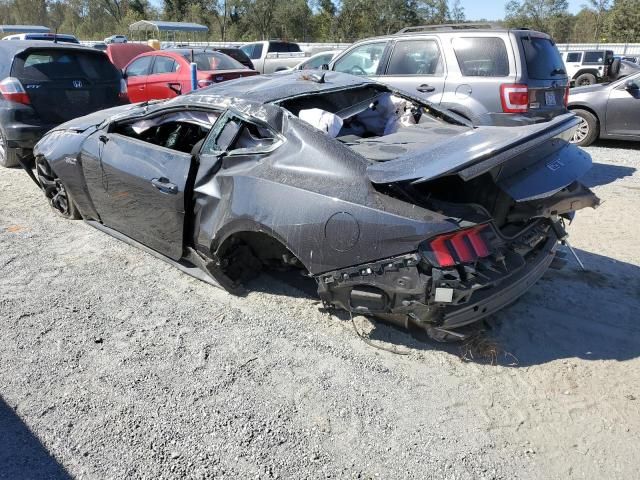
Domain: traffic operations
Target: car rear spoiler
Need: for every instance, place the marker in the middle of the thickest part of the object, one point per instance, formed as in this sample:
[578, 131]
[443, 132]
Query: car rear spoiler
[472, 153]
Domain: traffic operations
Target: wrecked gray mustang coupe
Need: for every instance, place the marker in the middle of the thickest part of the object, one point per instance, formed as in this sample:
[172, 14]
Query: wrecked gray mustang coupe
[396, 208]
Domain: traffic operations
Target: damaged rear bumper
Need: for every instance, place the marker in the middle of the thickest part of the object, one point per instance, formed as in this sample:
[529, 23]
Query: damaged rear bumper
[405, 289]
[489, 301]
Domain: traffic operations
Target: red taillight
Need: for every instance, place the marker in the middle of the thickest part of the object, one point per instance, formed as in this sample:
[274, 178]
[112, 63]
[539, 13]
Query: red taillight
[460, 247]
[514, 97]
[441, 251]
[566, 95]
[13, 91]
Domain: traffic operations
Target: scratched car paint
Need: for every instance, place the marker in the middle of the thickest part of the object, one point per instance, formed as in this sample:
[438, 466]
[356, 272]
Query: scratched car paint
[395, 207]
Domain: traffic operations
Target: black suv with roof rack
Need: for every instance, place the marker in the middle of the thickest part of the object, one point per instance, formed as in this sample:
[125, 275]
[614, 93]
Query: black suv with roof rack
[482, 72]
[43, 84]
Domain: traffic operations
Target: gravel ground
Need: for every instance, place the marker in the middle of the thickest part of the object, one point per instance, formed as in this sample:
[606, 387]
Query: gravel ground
[115, 365]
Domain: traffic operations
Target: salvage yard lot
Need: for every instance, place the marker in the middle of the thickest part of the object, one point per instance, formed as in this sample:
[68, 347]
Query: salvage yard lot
[114, 364]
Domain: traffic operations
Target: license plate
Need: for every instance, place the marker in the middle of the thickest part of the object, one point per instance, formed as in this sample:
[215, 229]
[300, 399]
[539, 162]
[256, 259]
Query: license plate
[550, 98]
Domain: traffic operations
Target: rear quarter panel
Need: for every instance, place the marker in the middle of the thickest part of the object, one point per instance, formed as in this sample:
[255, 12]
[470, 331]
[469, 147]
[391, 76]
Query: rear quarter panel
[313, 195]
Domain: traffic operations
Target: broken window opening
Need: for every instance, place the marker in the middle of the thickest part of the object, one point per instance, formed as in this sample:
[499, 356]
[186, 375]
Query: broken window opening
[238, 137]
[366, 113]
[180, 131]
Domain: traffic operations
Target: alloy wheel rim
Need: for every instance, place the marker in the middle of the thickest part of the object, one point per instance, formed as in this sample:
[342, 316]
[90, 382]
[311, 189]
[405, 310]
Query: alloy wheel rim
[581, 132]
[53, 188]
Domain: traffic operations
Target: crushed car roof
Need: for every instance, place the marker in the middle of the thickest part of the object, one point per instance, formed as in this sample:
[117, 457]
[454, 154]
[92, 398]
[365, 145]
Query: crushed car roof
[271, 88]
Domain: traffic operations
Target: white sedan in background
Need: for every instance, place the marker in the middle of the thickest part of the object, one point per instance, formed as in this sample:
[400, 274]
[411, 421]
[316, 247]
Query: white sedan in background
[115, 39]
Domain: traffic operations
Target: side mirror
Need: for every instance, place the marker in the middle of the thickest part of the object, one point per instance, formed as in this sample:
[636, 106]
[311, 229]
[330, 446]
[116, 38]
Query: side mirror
[631, 86]
[325, 66]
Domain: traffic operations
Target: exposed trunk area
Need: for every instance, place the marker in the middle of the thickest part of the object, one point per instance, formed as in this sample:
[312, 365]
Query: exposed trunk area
[481, 199]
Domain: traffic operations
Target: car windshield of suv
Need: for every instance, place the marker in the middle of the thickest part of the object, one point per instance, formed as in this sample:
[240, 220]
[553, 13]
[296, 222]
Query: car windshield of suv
[213, 61]
[543, 59]
[49, 64]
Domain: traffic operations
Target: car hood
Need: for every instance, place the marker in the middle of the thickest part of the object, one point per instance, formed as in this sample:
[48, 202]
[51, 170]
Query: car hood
[596, 87]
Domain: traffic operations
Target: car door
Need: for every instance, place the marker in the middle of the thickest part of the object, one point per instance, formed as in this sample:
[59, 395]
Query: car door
[623, 108]
[136, 74]
[163, 81]
[417, 66]
[138, 188]
[365, 60]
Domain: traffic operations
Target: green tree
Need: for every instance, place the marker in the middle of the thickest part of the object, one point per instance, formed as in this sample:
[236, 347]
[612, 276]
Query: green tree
[584, 26]
[549, 16]
[456, 12]
[599, 8]
[623, 22]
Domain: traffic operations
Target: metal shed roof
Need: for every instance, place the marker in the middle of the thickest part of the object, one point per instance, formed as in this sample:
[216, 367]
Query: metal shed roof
[24, 29]
[154, 25]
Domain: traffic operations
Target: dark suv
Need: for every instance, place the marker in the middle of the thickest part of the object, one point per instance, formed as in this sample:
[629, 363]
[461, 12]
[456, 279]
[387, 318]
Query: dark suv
[482, 72]
[43, 85]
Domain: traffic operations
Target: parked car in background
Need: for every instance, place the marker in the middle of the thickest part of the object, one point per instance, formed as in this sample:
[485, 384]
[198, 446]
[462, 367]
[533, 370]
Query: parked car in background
[627, 68]
[121, 54]
[163, 74]
[315, 62]
[607, 110]
[273, 56]
[587, 67]
[631, 58]
[401, 210]
[483, 73]
[44, 84]
[237, 54]
[47, 37]
[100, 46]
[116, 39]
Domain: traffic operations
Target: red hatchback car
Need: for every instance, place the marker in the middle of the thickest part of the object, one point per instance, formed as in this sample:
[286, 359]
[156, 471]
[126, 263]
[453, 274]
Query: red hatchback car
[165, 73]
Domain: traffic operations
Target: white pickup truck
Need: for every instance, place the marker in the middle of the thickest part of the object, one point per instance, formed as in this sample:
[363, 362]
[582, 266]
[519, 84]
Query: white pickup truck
[273, 56]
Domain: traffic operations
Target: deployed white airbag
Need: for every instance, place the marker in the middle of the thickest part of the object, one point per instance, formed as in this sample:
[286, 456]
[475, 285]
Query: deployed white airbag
[322, 120]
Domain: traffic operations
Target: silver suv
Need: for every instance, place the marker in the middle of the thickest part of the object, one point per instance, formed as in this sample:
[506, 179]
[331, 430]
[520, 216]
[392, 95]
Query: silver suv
[483, 73]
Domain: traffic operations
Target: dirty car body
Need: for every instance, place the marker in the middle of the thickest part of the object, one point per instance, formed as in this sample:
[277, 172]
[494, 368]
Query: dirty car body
[395, 207]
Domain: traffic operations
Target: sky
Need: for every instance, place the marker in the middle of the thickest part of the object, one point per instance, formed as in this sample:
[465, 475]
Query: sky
[494, 9]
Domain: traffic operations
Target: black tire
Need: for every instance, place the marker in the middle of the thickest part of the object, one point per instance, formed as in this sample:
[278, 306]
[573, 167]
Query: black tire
[588, 130]
[614, 69]
[8, 156]
[585, 79]
[57, 195]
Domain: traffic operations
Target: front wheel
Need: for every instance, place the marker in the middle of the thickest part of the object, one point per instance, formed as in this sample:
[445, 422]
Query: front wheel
[57, 195]
[587, 131]
[585, 79]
